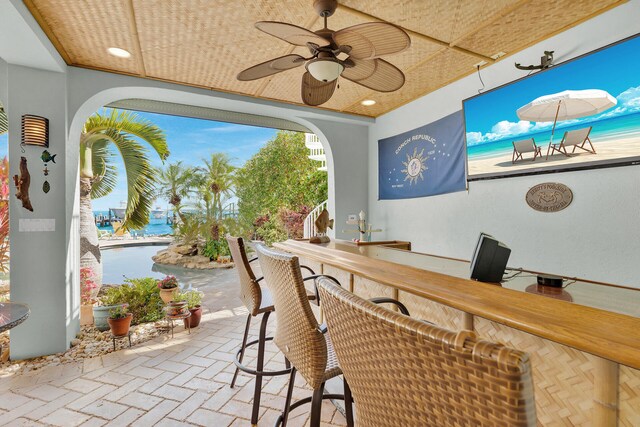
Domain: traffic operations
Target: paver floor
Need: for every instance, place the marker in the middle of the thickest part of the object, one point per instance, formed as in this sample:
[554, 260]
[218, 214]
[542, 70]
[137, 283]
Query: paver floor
[165, 382]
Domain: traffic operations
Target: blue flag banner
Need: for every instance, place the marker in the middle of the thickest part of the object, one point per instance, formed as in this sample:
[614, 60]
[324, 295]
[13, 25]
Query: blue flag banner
[423, 162]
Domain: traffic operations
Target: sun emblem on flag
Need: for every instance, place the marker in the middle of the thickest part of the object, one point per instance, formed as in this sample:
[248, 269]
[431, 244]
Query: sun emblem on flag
[414, 166]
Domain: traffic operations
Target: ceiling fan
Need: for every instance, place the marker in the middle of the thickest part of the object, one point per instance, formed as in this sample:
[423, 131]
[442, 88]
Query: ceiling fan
[360, 45]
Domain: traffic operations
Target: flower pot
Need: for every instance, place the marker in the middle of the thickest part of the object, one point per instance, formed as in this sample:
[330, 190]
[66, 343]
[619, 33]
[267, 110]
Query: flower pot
[168, 295]
[194, 320]
[100, 315]
[120, 327]
[176, 308]
[86, 315]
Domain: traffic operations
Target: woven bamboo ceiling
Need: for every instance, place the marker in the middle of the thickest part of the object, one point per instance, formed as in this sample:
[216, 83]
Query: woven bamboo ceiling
[205, 43]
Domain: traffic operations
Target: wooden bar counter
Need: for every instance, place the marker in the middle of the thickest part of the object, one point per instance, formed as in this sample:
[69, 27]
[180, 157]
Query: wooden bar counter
[584, 340]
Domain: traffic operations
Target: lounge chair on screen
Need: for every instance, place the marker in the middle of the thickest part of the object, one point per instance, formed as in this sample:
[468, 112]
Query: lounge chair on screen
[525, 146]
[573, 138]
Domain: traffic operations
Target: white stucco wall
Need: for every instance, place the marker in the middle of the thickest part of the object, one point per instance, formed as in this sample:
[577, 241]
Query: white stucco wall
[596, 237]
[38, 259]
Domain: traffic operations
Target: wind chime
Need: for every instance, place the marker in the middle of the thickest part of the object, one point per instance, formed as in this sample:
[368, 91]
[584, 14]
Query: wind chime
[46, 158]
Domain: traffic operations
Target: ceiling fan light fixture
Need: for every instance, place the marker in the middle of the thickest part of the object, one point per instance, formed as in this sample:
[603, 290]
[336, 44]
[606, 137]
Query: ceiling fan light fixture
[368, 102]
[119, 53]
[325, 69]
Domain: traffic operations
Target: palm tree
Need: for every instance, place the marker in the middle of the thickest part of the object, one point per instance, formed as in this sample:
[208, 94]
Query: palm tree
[176, 183]
[98, 175]
[219, 180]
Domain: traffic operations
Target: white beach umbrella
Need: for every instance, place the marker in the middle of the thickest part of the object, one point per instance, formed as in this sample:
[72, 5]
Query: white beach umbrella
[566, 105]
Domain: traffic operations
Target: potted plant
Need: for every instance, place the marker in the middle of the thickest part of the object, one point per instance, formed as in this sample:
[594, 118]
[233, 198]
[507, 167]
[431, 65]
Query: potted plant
[193, 298]
[88, 289]
[168, 288]
[119, 321]
[106, 302]
[176, 308]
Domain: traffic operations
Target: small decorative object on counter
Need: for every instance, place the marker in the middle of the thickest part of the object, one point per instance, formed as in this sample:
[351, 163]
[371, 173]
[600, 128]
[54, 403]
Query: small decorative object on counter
[168, 288]
[363, 230]
[322, 223]
[22, 182]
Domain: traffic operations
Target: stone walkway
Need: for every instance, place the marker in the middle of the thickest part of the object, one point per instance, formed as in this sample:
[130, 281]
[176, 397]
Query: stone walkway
[164, 382]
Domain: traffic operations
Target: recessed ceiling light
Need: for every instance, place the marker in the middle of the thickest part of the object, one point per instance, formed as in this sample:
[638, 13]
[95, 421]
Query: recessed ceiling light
[120, 53]
[368, 102]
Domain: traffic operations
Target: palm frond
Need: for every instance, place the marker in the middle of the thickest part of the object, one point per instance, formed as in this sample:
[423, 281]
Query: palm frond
[141, 181]
[123, 128]
[104, 172]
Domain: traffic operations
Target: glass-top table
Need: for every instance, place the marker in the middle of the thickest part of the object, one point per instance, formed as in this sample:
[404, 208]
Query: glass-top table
[12, 314]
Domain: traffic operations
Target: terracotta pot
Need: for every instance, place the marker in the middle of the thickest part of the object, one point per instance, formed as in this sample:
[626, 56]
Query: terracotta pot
[100, 315]
[120, 327]
[86, 315]
[168, 295]
[194, 320]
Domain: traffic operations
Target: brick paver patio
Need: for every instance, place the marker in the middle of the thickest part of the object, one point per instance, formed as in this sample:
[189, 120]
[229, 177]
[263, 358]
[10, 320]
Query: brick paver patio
[164, 382]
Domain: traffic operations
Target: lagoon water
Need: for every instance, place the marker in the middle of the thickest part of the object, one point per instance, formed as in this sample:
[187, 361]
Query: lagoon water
[615, 128]
[119, 263]
[156, 226]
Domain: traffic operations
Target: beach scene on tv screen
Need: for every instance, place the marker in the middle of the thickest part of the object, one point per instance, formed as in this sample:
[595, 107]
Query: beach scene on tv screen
[584, 113]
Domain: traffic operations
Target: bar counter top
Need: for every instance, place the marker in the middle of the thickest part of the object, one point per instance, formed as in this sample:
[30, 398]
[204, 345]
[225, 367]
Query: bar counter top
[597, 318]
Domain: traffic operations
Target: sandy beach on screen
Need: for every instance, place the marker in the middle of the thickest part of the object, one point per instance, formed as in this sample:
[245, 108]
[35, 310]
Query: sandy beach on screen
[605, 150]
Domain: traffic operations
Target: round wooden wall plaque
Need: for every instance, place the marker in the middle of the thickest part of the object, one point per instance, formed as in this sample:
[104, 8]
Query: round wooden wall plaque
[549, 197]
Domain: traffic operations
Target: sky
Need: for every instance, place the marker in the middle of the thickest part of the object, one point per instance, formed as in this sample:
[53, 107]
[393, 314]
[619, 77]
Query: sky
[190, 141]
[492, 116]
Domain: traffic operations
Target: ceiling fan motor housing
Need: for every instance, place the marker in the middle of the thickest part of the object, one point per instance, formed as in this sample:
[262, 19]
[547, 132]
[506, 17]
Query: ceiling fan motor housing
[325, 8]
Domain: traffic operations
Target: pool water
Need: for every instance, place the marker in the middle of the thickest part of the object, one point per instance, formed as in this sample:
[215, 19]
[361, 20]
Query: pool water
[135, 262]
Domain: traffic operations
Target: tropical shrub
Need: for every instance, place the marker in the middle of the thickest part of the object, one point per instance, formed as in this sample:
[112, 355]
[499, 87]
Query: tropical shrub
[215, 248]
[189, 229]
[293, 221]
[279, 176]
[142, 296]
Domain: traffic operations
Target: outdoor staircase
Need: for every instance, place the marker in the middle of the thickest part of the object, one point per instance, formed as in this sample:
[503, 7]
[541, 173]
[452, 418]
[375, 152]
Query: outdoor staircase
[316, 151]
[309, 222]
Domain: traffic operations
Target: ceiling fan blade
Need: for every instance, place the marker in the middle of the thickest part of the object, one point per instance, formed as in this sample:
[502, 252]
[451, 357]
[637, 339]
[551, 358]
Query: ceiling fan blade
[372, 39]
[291, 33]
[376, 74]
[314, 92]
[270, 67]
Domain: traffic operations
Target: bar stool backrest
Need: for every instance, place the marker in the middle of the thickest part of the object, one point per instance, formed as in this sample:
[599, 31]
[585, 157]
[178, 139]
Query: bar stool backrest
[404, 372]
[298, 334]
[250, 292]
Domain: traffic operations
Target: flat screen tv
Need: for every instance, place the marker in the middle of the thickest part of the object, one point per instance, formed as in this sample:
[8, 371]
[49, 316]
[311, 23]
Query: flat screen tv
[489, 260]
[580, 114]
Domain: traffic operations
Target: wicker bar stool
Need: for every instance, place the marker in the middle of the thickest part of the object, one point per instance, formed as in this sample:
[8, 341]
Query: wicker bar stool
[299, 336]
[404, 372]
[258, 301]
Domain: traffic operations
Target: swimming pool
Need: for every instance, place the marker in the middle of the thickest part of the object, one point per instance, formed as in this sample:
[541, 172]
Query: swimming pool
[134, 262]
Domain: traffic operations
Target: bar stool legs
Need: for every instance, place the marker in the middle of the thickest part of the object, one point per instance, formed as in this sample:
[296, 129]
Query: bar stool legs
[259, 373]
[244, 345]
[316, 403]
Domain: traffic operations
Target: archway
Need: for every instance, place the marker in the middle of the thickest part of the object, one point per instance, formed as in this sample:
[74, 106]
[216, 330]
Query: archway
[105, 97]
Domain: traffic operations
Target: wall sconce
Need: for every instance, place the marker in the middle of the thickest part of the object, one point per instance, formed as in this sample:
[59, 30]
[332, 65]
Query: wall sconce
[35, 130]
